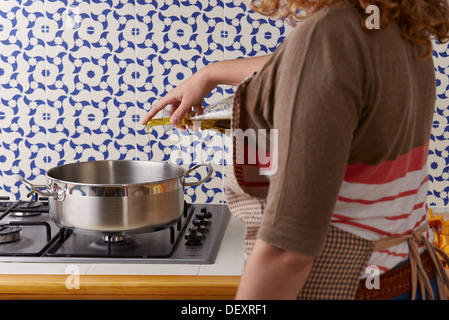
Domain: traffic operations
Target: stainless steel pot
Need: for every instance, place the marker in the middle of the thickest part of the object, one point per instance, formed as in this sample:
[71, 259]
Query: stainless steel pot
[116, 196]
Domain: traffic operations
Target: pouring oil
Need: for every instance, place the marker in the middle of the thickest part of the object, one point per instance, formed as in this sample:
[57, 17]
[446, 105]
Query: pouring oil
[216, 116]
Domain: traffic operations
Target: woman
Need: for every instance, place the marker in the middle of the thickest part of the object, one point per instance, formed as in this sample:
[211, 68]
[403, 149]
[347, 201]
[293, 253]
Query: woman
[353, 109]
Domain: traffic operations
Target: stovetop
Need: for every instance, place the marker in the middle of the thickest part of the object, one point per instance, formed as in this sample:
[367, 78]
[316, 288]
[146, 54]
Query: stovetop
[27, 234]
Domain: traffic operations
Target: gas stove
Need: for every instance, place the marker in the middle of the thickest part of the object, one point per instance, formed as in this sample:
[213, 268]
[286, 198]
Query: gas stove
[27, 234]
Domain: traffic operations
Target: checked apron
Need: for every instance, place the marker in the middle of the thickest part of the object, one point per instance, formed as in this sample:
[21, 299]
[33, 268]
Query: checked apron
[336, 273]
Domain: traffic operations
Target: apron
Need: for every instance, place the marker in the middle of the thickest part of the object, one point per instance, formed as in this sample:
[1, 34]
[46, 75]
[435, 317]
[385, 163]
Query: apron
[336, 273]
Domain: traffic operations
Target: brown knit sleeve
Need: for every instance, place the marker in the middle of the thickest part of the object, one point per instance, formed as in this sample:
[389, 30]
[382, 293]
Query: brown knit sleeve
[316, 105]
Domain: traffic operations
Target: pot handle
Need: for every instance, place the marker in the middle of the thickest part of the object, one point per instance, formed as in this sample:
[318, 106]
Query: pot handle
[36, 188]
[196, 183]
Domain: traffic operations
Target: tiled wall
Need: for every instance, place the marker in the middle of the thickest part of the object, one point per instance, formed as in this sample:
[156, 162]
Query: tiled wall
[77, 76]
[438, 163]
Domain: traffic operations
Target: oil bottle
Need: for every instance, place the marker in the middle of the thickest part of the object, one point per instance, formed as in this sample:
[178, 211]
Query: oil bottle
[216, 116]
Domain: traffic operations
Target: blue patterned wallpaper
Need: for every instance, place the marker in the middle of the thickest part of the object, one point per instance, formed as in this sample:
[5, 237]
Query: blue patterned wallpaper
[438, 162]
[77, 76]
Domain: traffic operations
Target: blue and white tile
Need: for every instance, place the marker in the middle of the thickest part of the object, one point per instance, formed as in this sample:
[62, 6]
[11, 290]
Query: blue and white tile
[91, 73]
[21, 14]
[22, 72]
[164, 60]
[180, 16]
[210, 191]
[22, 152]
[244, 46]
[241, 20]
[214, 150]
[438, 174]
[438, 164]
[113, 15]
[441, 56]
[86, 139]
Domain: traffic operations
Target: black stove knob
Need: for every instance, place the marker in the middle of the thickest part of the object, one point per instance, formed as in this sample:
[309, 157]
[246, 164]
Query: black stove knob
[194, 237]
[207, 214]
[201, 222]
[202, 229]
[199, 216]
[200, 225]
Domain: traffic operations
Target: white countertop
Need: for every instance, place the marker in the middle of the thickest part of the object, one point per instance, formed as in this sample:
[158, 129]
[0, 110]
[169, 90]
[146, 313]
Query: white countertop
[229, 262]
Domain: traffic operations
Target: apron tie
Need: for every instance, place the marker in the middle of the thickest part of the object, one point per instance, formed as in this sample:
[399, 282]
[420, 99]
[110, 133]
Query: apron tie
[418, 273]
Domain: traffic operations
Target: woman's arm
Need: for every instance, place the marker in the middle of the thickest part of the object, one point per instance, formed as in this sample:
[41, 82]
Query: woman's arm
[233, 72]
[191, 92]
[273, 274]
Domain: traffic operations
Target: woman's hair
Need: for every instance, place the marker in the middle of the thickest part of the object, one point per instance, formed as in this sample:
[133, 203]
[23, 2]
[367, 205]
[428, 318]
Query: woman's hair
[420, 20]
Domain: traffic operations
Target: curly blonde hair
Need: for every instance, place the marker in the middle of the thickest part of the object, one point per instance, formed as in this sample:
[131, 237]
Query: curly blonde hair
[420, 20]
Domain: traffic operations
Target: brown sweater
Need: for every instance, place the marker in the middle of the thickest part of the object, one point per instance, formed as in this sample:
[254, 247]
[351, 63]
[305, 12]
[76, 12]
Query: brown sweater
[346, 102]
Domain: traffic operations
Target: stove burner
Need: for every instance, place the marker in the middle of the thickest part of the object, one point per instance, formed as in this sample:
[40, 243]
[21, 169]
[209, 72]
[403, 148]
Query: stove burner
[25, 214]
[23, 209]
[9, 233]
[118, 242]
[32, 204]
[114, 239]
[28, 205]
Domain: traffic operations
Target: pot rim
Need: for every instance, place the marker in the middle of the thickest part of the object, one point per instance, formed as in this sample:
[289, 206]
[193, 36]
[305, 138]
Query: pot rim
[114, 185]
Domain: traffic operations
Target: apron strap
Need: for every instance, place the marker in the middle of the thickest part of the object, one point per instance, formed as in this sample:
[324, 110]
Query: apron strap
[418, 274]
[385, 243]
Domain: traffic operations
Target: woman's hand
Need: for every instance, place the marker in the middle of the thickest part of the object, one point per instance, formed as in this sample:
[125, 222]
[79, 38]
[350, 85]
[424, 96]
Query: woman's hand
[192, 92]
[188, 94]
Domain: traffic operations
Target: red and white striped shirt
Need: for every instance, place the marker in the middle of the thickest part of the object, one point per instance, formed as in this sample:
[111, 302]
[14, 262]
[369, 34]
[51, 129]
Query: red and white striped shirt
[389, 199]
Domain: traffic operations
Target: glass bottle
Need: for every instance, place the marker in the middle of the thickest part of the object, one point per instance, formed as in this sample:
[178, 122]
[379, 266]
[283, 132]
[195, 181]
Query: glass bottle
[216, 116]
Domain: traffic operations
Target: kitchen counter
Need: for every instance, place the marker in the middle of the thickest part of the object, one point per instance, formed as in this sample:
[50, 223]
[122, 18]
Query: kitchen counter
[129, 281]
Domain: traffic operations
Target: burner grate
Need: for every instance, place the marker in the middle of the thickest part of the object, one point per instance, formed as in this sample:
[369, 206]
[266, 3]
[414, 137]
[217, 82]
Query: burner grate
[41, 240]
[9, 233]
[22, 208]
[160, 243]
